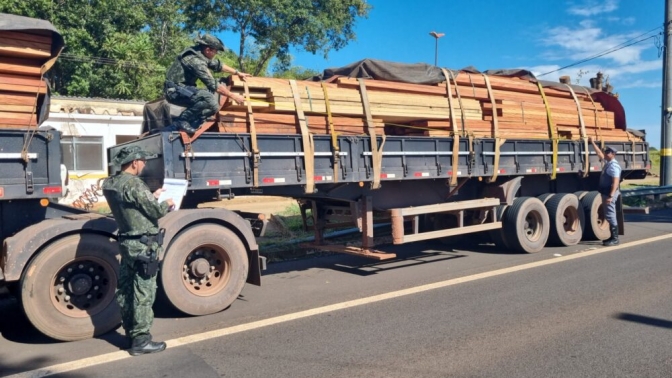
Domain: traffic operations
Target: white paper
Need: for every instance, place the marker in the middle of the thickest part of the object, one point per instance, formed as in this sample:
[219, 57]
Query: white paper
[175, 189]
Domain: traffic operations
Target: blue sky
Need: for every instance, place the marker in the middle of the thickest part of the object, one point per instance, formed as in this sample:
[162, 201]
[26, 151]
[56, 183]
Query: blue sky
[538, 35]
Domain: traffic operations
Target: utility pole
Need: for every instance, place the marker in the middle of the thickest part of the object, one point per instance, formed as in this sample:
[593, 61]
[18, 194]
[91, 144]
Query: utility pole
[436, 45]
[666, 124]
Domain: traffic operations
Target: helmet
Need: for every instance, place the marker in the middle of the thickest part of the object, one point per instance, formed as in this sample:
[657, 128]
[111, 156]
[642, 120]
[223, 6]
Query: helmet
[210, 41]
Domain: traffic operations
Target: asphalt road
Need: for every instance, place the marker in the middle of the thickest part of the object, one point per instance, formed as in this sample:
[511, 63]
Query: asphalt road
[582, 311]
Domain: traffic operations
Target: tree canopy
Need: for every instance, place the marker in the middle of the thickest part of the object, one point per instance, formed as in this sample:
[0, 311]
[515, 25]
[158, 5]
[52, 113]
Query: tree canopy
[122, 48]
[316, 26]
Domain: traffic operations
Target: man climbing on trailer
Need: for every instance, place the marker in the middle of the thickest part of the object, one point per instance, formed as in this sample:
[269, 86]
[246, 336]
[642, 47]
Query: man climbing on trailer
[609, 188]
[192, 64]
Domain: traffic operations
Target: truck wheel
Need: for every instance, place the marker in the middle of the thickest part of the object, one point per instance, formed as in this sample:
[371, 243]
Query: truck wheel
[204, 269]
[67, 291]
[497, 236]
[580, 194]
[545, 197]
[596, 225]
[526, 225]
[563, 212]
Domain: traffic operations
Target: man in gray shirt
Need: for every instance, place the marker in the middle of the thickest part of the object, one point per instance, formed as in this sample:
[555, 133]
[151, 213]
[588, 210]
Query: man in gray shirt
[609, 188]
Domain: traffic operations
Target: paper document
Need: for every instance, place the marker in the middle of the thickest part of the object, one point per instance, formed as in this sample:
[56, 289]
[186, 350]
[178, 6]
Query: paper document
[175, 189]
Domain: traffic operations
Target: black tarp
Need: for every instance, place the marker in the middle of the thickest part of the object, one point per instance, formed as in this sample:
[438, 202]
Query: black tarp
[421, 73]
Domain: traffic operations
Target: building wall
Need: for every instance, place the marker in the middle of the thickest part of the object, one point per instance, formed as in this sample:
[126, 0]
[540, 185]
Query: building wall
[89, 127]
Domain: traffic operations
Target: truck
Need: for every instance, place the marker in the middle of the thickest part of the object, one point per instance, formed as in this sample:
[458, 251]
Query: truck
[62, 262]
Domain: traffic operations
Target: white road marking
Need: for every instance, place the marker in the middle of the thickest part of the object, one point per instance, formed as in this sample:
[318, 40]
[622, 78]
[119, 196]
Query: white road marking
[186, 340]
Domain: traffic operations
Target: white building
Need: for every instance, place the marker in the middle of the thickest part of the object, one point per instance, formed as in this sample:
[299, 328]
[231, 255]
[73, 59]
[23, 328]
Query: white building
[89, 126]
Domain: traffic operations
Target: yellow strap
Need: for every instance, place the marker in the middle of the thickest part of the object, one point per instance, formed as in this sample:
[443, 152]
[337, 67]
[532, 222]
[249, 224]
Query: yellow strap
[376, 153]
[453, 124]
[306, 139]
[597, 118]
[334, 137]
[552, 131]
[584, 136]
[256, 158]
[495, 129]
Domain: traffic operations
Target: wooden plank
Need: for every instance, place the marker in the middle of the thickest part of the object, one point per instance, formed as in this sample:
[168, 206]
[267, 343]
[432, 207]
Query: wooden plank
[17, 66]
[25, 119]
[16, 108]
[42, 38]
[17, 99]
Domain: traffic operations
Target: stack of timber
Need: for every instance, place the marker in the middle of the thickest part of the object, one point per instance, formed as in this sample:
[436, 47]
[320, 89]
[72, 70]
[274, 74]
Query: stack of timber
[23, 55]
[511, 108]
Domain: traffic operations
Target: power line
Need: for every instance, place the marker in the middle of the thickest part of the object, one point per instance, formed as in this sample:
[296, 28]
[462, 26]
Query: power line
[110, 61]
[618, 47]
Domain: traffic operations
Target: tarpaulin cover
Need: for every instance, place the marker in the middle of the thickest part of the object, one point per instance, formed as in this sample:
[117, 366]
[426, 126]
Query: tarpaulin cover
[419, 73]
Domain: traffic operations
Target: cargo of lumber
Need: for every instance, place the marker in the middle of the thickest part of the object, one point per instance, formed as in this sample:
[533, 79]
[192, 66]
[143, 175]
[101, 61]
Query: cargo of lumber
[28, 48]
[468, 106]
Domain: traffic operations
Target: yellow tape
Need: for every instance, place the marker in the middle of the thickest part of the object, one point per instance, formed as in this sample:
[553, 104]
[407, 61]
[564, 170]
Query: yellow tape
[666, 152]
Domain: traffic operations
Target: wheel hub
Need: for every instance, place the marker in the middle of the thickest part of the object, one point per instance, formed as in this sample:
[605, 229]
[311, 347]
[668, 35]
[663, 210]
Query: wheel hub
[80, 286]
[199, 267]
[206, 270]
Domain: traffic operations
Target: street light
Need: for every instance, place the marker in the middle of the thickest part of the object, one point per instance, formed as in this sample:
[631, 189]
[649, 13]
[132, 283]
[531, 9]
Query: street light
[436, 46]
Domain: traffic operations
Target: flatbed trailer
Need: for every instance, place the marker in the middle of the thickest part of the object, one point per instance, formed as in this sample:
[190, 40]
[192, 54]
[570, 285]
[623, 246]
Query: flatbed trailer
[441, 186]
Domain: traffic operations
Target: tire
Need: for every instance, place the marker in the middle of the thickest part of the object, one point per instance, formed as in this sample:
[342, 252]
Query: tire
[67, 290]
[597, 227]
[526, 225]
[497, 236]
[545, 197]
[563, 213]
[204, 269]
[580, 194]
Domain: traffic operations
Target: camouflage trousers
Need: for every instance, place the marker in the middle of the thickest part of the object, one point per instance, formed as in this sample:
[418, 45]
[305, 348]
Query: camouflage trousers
[200, 104]
[135, 291]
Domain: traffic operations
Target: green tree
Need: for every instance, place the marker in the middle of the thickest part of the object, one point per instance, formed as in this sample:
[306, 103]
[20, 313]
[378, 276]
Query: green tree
[277, 25]
[113, 48]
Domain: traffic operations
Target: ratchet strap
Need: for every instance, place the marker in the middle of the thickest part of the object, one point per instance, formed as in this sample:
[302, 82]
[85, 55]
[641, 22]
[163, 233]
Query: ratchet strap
[584, 137]
[552, 131]
[495, 129]
[334, 137]
[376, 153]
[306, 138]
[453, 126]
[253, 138]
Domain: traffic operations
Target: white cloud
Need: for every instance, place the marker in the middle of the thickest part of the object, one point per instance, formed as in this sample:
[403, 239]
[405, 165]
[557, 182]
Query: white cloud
[593, 7]
[588, 40]
[642, 84]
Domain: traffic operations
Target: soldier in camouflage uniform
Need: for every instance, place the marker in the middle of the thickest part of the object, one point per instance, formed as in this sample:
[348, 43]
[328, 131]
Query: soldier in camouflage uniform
[137, 211]
[180, 89]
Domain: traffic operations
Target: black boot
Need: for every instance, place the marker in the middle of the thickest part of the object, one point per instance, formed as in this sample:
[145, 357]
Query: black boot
[613, 240]
[143, 344]
[180, 125]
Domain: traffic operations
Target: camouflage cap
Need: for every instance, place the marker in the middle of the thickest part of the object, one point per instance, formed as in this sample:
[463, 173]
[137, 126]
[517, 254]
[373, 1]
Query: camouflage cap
[210, 41]
[130, 153]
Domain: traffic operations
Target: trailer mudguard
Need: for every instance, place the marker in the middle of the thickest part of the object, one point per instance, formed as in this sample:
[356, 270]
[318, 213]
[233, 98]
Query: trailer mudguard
[18, 249]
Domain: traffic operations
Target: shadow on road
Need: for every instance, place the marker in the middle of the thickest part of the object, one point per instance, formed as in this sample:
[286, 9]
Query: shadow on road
[641, 319]
[656, 216]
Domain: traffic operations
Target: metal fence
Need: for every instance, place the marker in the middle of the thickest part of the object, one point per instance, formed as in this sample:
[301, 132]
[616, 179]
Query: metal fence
[646, 191]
